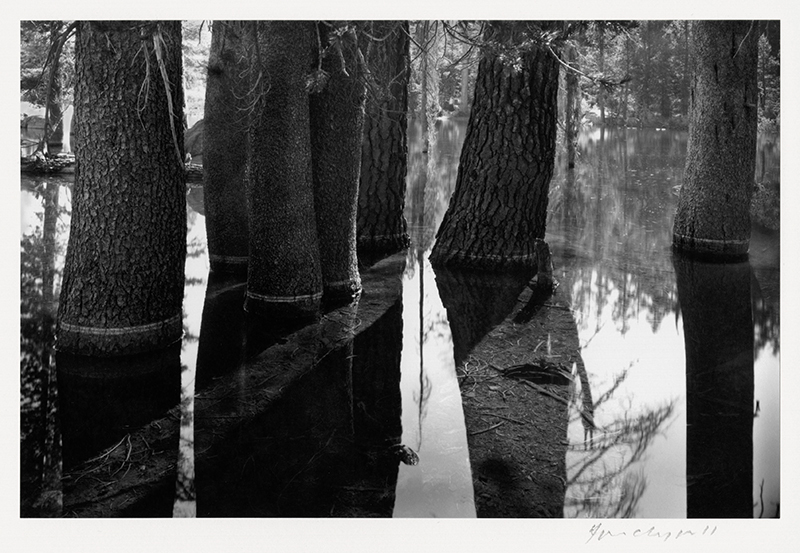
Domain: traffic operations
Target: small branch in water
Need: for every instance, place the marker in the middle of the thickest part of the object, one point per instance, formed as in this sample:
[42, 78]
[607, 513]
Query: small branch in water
[487, 429]
[542, 390]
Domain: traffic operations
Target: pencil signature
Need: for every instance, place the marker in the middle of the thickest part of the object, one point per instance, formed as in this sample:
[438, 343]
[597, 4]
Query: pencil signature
[597, 533]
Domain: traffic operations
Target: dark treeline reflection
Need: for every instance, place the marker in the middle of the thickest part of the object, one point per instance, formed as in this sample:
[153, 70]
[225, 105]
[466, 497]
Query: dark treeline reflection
[718, 331]
[325, 448]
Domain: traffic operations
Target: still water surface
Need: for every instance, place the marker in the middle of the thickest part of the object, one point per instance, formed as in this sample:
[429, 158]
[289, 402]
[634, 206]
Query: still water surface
[610, 231]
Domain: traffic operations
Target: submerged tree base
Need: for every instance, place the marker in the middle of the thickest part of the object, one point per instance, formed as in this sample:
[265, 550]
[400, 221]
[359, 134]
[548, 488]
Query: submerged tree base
[287, 308]
[709, 249]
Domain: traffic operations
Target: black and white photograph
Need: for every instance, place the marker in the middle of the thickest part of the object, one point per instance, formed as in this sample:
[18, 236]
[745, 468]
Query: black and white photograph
[281, 273]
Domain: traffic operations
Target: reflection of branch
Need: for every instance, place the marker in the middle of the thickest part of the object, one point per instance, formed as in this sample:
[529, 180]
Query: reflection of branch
[631, 490]
[601, 478]
[636, 433]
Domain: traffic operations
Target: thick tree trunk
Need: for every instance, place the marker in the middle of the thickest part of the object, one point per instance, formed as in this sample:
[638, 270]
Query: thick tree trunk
[381, 200]
[284, 274]
[337, 120]
[499, 205]
[225, 151]
[124, 275]
[713, 216]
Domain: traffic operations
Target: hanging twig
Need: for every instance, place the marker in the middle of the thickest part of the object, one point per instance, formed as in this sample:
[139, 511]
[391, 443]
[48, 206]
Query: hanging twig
[607, 83]
[158, 42]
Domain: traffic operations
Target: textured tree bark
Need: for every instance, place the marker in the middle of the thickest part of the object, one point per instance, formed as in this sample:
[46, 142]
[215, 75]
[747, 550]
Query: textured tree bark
[499, 205]
[225, 151]
[284, 274]
[124, 274]
[381, 225]
[713, 217]
[337, 120]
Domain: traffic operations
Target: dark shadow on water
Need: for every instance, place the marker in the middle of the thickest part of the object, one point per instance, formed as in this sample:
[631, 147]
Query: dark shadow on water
[325, 447]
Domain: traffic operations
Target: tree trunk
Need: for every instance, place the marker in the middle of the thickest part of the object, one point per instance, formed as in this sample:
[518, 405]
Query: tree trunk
[499, 205]
[124, 275]
[686, 71]
[284, 274]
[626, 88]
[225, 151]
[54, 130]
[382, 226]
[572, 108]
[601, 92]
[713, 216]
[337, 120]
[463, 93]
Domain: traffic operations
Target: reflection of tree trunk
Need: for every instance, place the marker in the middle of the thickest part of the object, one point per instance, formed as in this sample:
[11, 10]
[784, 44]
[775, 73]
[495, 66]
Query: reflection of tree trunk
[284, 273]
[102, 400]
[499, 205]
[378, 403]
[421, 322]
[713, 214]
[337, 120]
[221, 347]
[123, 280]
[381, 224]
[323, 448]
[587, 404]
[225, 151]
[718, 329]
[476, 303]
[50, 501]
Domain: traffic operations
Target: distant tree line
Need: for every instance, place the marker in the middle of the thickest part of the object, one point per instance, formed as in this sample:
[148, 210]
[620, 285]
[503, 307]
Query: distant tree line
[650, 60]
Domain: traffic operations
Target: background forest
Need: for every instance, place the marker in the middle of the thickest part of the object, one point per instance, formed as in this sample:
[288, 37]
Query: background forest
[633, 73]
